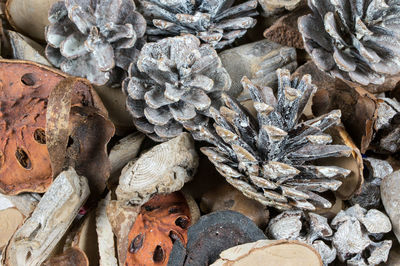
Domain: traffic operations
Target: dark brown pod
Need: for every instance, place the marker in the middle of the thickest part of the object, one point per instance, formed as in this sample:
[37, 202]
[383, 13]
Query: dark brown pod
[161, 221]
[211, 235]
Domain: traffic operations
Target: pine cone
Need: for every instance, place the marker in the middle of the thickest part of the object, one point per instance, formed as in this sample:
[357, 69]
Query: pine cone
[269, 160]
[215, 22]
[354, 40]
[175, 80]
[94, 39]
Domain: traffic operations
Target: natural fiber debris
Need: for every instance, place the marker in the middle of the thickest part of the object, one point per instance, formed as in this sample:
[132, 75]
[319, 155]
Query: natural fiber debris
[270, 161]
[354, 40]
[175, 80]
[94, 39]
[216, 22]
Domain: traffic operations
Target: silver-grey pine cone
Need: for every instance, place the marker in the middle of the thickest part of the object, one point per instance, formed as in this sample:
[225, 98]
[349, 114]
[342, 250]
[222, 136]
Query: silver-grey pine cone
[174, 81]
[271, 160]
[357, 40]
[94, 39]
[216, 22]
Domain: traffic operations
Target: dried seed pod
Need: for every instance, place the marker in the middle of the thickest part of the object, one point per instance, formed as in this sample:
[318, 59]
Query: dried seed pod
[269, 161]
[25, 93]
[212, 234]
[94, 39]
[350, 39]
[271, 252]
[218, 23]
[35, 240]
[162, 220]
[157, 172]
[175, 80]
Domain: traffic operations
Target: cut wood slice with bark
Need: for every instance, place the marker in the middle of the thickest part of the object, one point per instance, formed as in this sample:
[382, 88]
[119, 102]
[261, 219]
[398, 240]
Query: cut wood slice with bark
[163, 169]
[273, 252]
[35, 240]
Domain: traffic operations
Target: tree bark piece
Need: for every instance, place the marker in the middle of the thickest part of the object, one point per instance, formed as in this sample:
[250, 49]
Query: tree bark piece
[163, 169]
[258, 61]
[285, 32]
[34, 241]
[273, 252]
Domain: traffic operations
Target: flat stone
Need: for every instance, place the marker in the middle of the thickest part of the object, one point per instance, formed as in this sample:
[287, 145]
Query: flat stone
[390, 188]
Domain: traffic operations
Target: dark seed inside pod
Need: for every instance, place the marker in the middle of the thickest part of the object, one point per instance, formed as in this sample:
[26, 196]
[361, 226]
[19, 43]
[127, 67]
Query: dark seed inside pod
[158, 255]
[136, 243]
[182, 222]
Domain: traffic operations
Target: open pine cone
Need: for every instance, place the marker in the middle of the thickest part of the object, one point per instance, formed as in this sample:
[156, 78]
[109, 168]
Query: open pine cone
[215, 22]
[269, 161]
[94, 39]
[175, 80]
[354, 40]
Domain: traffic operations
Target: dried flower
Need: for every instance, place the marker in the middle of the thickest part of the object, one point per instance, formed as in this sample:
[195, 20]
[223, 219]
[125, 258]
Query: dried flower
[354, 40]
[215, 22]
[175, 80]
[94, 39]
[269, 161]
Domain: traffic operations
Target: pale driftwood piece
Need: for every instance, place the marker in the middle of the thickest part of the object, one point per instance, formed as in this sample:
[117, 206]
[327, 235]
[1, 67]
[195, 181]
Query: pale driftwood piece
[24, 202]
[29, 16]
[121, 217]
[34, 241]
[338, 36]
[26, 49]
[258, 61]
[163, 169]
[175, 80]
[273, 252]
[125, 151]
[390, 196]
[105, 235]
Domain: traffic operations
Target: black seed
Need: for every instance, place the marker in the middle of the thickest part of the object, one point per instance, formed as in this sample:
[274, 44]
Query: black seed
[173, 210]
[136, 243]
[40, 136]
[150, 208]
[23, 158]
[182, 222]
[158, 255]
[28, 79]
[173, 235]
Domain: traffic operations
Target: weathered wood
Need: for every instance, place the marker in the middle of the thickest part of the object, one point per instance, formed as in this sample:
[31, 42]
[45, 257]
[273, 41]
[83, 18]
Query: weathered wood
[34, 241]
[258, 61]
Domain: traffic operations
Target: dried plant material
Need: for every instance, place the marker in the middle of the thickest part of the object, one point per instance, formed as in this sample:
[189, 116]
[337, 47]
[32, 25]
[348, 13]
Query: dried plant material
[212, 234]
[176, 80]
[352, 237]
[125, 151]
[273, 252]
[348, 237]
[29, 16]
[10, 220]
[26, 49]
[25, 161]
[370, 196]
[71, 256]
[96, 40]
[226, 197]
[24, 202]
[285, 32]
[270, 161]
[157, 172]
[34, 241]
[193, 207]
[258, 61]
[5, 203]
[218, 23]
[122, 217]
[348, 39]
[390, 196]
[162, 220]
[105, 235]
[114, 100]
[337, 205]
[359, 110]
[352, 183]
[277, 5]
[89, 133]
